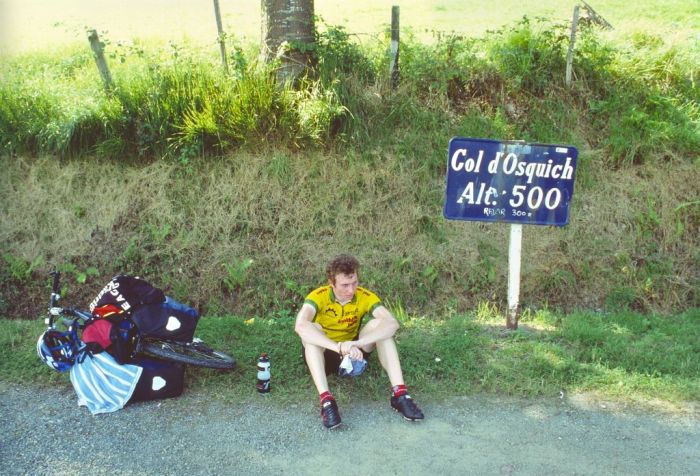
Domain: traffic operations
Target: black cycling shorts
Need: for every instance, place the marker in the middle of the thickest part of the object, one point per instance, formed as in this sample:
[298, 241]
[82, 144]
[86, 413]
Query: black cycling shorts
[332, 360]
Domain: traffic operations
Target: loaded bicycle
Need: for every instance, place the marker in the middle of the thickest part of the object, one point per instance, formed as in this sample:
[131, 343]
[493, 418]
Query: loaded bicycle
[62, 342]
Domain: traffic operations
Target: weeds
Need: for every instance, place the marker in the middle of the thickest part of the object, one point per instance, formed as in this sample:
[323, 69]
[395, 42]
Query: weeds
[81, 276]
[20, 269]
[236, 273]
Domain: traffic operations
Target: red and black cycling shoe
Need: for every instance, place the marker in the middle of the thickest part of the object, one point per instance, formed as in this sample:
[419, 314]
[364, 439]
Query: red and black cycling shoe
[330, 414]
[407, 407]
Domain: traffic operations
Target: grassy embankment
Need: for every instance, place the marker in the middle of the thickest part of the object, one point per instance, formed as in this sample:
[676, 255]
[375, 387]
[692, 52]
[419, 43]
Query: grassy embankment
[287, 178]
[184, 175]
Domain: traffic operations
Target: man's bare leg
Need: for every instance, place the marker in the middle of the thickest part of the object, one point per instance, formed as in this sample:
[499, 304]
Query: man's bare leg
[388, 355]
[317, 366]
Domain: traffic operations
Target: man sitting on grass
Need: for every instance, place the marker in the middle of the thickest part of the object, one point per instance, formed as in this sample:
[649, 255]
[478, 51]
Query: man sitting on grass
[329, 325]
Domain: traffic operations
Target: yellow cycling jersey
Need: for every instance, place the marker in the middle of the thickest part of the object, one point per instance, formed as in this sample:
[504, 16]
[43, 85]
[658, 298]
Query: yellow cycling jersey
[341, 322]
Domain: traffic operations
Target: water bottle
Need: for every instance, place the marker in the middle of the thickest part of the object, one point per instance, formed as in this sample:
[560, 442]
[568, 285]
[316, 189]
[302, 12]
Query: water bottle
[263, 384]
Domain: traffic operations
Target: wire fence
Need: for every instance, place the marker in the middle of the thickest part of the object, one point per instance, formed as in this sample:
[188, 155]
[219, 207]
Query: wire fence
[219, 39]
[391, 33]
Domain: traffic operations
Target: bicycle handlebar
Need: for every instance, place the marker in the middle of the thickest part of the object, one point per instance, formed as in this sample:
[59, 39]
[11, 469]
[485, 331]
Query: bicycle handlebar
[62, 312]
[56, 280]
[69, 311]
[55, 287]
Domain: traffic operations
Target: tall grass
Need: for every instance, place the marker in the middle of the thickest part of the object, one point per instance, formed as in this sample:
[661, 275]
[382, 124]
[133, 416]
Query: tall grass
[640, 100]
[168, 102]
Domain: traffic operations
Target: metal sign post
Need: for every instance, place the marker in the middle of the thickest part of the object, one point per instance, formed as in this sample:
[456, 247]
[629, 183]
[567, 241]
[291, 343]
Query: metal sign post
[510, 182]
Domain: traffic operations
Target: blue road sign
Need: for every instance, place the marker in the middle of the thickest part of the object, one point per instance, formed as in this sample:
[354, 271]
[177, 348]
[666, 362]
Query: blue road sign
[509, 182]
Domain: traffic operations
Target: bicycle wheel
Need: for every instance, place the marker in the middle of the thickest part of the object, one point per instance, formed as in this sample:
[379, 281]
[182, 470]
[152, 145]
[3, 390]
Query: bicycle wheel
[191, 353]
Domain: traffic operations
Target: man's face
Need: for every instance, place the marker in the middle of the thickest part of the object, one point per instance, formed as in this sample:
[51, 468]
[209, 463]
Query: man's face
[344, 286]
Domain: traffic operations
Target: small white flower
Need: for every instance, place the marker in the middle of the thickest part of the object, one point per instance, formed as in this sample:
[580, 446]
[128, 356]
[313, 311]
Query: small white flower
[438, 359]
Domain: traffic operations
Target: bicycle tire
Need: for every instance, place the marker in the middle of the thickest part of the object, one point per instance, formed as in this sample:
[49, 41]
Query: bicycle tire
[190, 353]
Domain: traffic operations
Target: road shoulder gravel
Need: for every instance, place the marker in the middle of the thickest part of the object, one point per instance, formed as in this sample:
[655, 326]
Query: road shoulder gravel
[44, 432]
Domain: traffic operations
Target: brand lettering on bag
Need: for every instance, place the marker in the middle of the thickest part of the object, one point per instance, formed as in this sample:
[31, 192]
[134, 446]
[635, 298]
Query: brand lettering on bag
[113, 289]
[111, 286]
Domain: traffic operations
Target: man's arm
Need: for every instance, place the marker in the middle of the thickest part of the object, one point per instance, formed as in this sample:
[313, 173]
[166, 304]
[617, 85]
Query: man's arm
[309, 332]
[385, 327]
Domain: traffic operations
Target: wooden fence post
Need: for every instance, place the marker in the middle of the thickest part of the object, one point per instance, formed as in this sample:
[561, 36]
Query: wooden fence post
[572, 42]
[222, 35]
[394, 52]
[98, 50]
[594, 17]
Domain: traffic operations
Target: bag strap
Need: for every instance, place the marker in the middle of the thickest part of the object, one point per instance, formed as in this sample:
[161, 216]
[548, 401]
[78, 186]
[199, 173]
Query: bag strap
[88, 350]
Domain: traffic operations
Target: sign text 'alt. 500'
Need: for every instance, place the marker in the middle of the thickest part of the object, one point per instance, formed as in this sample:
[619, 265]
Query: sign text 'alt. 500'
[511, 182]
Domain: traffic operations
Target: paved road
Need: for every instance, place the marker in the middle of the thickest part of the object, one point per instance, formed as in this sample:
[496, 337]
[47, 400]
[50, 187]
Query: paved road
[44, 432]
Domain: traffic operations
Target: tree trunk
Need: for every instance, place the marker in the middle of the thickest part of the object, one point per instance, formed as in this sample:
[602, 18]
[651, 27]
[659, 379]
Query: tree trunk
[288, 34]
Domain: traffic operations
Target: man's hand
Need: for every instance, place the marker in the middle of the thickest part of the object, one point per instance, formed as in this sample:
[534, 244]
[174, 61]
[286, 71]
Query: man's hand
[350, 347]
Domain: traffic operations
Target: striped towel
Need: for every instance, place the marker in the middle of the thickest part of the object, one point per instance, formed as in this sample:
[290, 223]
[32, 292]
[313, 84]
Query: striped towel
[102, 384]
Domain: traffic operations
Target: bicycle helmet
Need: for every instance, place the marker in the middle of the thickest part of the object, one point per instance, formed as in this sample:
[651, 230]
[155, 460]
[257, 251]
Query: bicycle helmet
[58, 349]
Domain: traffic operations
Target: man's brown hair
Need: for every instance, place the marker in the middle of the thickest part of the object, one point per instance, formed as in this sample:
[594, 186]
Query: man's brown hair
[342, 264]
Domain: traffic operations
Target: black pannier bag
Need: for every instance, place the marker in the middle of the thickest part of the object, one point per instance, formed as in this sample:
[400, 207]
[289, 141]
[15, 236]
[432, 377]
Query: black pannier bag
[166, 320]
[158, 380]
[126, 293]
[155, 315]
